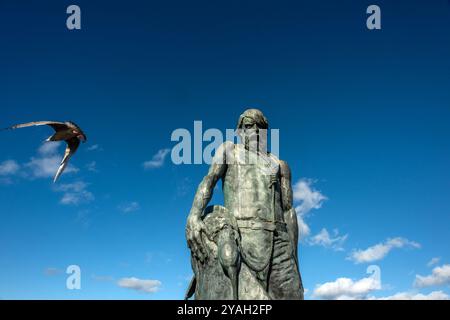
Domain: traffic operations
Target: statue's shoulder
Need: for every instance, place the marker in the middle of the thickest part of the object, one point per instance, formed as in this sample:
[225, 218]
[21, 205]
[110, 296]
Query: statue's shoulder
[283, 163]
[224, 153]
[227, 148]
[227, 145]
[285, 169]
[276, 159]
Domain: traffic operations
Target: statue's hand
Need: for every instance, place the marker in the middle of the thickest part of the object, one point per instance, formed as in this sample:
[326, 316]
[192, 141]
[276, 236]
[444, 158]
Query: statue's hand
[194, 229]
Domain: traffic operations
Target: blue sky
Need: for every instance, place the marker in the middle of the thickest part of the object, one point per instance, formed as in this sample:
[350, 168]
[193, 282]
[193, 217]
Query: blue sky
[363, 118]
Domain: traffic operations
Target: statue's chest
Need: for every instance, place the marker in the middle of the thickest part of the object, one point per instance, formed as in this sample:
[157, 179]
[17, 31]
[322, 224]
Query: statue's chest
[252, 171]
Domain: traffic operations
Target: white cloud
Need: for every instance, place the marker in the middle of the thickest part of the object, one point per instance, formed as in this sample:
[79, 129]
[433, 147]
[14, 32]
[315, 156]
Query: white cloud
[92, 166]
[380, 250]
[303, 229]
[323, 239]
[438, 277]
[52, 271]
[49, 148]
[146, 286]
[94, 147]
[83, 217]
[43, 165]
[435, 295]
[129, 207]
[433, 261]
[74, 193]
[347, 289]
[47, 162]
[157, 160]
[9, 167]
[309, 199]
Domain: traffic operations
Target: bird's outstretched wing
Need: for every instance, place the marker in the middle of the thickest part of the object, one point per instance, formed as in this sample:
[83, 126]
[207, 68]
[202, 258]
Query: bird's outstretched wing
[54, 124]
[72, 146]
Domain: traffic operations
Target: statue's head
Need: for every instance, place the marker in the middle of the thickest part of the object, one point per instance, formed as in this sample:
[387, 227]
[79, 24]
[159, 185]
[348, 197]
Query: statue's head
[252, 128]
[253, 119]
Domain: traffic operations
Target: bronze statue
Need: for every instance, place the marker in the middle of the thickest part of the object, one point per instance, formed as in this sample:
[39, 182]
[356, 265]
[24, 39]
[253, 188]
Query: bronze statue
[246, 249]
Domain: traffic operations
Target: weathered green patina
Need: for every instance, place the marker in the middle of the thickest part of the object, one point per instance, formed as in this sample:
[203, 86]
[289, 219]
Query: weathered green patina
[247, 249]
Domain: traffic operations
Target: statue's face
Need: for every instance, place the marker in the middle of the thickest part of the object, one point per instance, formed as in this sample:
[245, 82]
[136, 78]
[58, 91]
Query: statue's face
[250, 134]
[249, 124]
[249, 130]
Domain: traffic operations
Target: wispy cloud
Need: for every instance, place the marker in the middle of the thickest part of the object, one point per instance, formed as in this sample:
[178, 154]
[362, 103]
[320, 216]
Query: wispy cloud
[439, 276]
[94, 147]
[92, 166]
[157, 160]
[158, 257]
[74, 193]
[145, 286]
[184, 186]
[303, 229]
[9, 167]
[52, 271]
[324, 239]
[84, 218]
[47, 162]
[381, 250]
[43, 165]
[308, 199]
[433, 261]
[129, 207]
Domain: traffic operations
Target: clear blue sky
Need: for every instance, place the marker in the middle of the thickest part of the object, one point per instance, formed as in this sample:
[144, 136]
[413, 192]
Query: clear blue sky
[363, 118]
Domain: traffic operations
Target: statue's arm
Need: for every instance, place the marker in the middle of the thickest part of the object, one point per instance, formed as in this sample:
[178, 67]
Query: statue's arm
[290, 216]
[202, 197]
[206, 187]
[205, 190]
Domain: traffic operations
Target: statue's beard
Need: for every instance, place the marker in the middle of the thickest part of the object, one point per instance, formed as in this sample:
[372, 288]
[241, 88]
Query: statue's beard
[255, 143]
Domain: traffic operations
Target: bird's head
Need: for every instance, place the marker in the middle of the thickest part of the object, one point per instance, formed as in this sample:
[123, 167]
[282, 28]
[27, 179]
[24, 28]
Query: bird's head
[76, 130]
[80, 135]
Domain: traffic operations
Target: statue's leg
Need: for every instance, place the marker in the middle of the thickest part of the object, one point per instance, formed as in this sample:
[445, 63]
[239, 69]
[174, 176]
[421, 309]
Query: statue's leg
[284, 279]
[228, 255]
[250, 288]
[256, 247]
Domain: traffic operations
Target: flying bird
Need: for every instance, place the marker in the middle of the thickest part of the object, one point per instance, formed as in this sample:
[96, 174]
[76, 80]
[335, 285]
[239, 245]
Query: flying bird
[68, 131]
